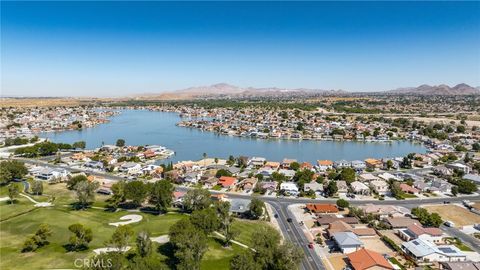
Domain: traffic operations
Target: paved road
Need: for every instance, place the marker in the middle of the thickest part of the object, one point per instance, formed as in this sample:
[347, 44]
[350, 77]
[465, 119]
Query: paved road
[468, 240]
[291, 230]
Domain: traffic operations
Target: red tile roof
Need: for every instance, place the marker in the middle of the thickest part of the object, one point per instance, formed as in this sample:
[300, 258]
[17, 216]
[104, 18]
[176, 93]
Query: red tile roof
[364, 259]
[322, 208]
[227, 181]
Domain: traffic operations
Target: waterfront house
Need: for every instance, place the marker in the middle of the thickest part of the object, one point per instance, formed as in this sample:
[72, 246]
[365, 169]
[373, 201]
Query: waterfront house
[256, 161]
[287, 162]
[340, 164]
[324, 165]
[427, 252]
[272, 165]
[347, 242]
[372, 163]
[364, 259]
[379, 186]
[358, 165]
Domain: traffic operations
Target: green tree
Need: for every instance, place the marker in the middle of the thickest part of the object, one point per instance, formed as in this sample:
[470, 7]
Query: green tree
[331, 189]
[81, 237]
[121, 237]
[205, 219]
[454, 191]
[73, 181]
[79, 145]
[256, 208]
[118, 190]
[466, 186]
[347, 174]
[37, 187]
[222, 172]
[343, 203]
[120, 143]
[226, 221]
[243, 261]
[287, 256]
[144, 244]
[136, 191]
[435, 220]
[264, 241]
[85, 192]
[197, 199]
[161, 195]
[294, 165]
[39, 239]
[12, 169]
[13, 191]
[190, 244]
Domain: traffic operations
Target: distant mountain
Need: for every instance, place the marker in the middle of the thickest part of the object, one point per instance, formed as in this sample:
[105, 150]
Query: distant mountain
[445, 90]
[224, 90]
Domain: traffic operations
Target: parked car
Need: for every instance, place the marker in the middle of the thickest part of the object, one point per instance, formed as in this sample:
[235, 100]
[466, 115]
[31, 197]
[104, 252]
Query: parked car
[289, 219]
[449, 223]
[446, 202]
[310, 245]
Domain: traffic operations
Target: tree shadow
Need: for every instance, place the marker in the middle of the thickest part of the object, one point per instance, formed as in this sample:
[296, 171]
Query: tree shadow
[168, 250]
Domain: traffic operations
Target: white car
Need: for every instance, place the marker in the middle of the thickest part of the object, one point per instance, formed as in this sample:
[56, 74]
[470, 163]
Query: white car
[449, 223]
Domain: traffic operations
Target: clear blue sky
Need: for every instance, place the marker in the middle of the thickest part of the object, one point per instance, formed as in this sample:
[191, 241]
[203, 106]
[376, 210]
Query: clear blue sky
[120, 48]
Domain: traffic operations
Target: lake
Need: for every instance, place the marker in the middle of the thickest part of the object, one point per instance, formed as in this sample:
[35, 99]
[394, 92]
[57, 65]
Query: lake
[142, 127]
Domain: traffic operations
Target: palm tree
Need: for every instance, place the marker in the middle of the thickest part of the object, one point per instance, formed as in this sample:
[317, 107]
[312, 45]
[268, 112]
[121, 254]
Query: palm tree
[204, 159]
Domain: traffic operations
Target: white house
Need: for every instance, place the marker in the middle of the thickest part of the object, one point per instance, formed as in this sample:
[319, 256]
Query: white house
[289, 187]
[426, 252]
[360, 188]
[50, 174]
[380, 186]
[130, 168]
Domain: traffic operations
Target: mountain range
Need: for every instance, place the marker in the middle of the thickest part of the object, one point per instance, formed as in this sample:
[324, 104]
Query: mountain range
[224, 90]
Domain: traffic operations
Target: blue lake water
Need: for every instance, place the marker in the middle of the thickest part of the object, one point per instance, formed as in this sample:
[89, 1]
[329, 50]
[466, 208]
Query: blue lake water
[142, 127]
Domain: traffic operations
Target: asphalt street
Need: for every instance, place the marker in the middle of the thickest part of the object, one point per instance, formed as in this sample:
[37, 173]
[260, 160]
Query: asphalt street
[292, 230]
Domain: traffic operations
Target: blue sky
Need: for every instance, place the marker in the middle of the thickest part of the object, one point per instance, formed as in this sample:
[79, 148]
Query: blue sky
[121, 48]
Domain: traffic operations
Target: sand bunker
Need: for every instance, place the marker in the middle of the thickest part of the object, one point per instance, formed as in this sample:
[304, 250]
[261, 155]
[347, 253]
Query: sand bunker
[128, 219]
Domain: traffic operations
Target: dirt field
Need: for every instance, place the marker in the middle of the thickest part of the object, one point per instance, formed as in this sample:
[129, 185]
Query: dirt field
[338, 261]
[457, 214]
[375, 244]
[391, 234]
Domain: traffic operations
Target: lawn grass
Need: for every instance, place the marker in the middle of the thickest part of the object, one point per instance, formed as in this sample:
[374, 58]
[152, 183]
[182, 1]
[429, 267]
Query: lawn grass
[409, 196]
[396, 262]
[22, 219]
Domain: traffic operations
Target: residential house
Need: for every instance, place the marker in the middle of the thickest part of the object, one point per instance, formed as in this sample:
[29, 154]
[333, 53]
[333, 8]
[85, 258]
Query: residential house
[367, 177]
[358, 165]
[373, 163]
[192, 177]
[342, 164]
[459, 166]
[424, 251]
[130, 168]
[342, 187]
[417, 231]
[94, 164]
[313, 186]
[399, 222]
[460, 265]
[409, 189]
[256, 161]
[227, 182]
[324, 165]
[323, 220]
[269, 185]
[359, 188]
[287, 162]
[379, 186]
[347, 242]
[365, 259]
[341, 226]
[248, 184]
[239, 206]
[288, 173]
[289, 187]
[318, 208]
[210, 182]
[51, 174]
[384, 211]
